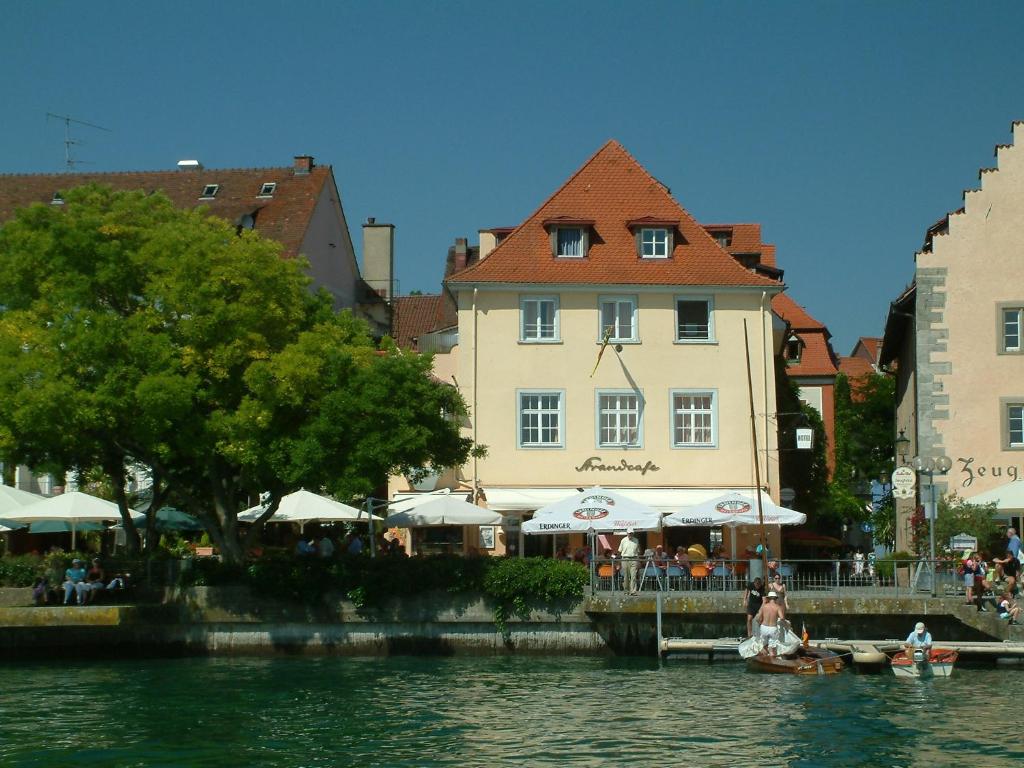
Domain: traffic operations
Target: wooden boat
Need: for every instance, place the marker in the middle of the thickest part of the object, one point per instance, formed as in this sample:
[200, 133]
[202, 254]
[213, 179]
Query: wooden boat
[808, 660]
[938, 663]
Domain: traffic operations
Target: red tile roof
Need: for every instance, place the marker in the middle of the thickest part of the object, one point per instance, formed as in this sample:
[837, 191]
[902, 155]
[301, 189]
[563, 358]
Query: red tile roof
[283, 217]
[414, 316]
[797, 317]
[868, 347]
[855, 367]
[611, 188]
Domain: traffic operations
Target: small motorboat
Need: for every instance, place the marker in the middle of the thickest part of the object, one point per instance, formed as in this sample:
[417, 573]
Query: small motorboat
[806, 660]
[916, 663]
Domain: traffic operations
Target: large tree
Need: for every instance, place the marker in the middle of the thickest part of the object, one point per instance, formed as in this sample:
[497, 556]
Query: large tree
[134, 332]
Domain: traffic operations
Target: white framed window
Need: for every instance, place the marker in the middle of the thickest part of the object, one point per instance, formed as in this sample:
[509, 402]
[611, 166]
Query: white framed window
[538, 319]
[267, 189]
[1015, 425]
[617, 313]
[1011, 320]
[654, 243]
[210, 191]
[540, 416]
[620, 418]
[570, 243]
[694, 418]
[694, 319]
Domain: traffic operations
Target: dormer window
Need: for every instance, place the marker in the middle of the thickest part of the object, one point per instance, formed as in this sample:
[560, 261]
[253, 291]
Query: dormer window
[267, 189]
[654, 243]
[570, 243]
[655, 238]
[58, 199]
[210, 191]
[723, 238]
[794, 350]
[570, 237]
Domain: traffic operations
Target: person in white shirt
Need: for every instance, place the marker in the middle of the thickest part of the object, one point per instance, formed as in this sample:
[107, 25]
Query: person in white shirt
[629, 551]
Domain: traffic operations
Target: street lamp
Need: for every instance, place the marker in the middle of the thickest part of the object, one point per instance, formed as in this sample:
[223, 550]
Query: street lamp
[929, 465]
[902, 444]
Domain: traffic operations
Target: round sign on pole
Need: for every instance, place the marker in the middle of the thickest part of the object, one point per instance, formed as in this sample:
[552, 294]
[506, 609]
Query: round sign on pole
[904, 479]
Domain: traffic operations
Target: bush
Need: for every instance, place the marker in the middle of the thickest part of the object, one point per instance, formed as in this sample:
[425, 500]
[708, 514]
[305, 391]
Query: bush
[887, 564]
[20, 570]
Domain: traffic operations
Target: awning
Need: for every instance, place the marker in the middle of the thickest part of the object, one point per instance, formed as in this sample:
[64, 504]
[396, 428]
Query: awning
[1007, 498]
[664, 500]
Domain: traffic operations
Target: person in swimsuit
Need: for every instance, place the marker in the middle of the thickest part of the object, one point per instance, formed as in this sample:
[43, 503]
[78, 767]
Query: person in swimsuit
[768, 617]
[752, 600]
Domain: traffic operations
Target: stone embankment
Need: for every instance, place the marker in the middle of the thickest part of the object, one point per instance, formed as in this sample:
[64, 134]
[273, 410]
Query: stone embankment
[231, 620]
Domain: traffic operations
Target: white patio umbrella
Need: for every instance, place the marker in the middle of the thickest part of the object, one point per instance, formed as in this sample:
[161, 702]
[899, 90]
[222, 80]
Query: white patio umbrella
[598, 510]
[735, 508]
[12, 499]
[1008, 497]
[74, 507]
[439, 509]
[306, 507]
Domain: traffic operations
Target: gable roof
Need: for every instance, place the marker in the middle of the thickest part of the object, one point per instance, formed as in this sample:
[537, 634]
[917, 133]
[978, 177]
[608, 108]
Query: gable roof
[855, 367]
[867, 347]
[414, 316]
[817, 357]
[611, 189]
[284, 216]
[797, 317]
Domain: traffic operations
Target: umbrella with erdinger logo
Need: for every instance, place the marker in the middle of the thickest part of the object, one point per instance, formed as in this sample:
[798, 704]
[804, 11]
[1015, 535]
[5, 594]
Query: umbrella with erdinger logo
[597, 509]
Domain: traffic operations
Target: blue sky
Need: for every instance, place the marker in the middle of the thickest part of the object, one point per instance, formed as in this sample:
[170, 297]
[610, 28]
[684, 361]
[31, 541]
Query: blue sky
[845, 129]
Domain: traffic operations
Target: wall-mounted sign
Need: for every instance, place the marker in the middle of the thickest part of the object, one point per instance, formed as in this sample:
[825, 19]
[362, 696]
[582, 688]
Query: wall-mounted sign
[904, 479]
[804, 439]
[594, 464]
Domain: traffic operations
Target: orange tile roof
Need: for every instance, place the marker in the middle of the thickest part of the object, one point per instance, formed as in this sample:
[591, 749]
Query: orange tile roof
[283, 217]
[611, 188]
[414, 316]
[797, 317]
[817, 358]
[746, 238]
[855, 367]
[871, 345]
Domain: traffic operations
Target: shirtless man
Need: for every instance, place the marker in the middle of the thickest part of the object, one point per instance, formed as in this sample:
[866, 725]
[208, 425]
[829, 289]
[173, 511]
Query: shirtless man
[768, 617]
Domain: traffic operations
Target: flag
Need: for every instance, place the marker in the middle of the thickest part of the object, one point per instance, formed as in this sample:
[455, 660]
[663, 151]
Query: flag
[604, 343]
[804, 636]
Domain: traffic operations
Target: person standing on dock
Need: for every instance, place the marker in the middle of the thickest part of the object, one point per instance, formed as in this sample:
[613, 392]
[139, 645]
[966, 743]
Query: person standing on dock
[752, 600]
[629, 551]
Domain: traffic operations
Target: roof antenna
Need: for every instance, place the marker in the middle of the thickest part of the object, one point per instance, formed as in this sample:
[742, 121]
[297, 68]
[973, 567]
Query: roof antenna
[69, 161]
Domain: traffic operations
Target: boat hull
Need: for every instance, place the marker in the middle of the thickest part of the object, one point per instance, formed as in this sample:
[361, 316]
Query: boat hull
[806, 661]
[939, 663]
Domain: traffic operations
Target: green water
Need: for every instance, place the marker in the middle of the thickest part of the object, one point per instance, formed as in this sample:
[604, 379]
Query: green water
[489, 711]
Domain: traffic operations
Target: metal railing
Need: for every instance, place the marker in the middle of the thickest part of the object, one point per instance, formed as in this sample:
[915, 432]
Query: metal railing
[801, 577]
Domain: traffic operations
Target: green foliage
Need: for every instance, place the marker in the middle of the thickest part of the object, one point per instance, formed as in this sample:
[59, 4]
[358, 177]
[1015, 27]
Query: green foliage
[959, 516]
[883, 522]
[20, 570]
[806, 472]
[887, 564]
[134, 332]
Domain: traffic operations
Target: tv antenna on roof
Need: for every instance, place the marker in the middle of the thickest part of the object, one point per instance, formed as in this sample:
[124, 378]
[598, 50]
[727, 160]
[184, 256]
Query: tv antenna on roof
[69, 161]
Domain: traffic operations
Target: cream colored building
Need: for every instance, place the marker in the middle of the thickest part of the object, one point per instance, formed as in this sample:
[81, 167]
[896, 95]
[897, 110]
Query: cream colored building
[665, 415]
[955, 337]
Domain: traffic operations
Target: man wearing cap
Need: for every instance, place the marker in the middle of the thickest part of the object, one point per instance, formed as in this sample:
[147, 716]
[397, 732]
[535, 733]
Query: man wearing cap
[629, 551]
[768, 617]
[74, 581]
[919, 638]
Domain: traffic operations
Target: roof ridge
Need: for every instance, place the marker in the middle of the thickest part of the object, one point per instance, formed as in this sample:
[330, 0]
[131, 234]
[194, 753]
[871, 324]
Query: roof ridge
[65, 174]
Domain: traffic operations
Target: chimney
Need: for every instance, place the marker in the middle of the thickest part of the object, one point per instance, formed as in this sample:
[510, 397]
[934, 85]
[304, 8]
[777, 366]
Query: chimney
[303, 164]
[379, 257]
[461, 254]
[189, 165]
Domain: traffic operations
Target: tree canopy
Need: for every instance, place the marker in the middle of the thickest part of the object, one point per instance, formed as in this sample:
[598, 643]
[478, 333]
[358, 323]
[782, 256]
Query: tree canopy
[134, 332]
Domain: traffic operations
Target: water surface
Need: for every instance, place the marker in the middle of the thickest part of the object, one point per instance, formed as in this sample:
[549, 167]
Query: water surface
[487, 711]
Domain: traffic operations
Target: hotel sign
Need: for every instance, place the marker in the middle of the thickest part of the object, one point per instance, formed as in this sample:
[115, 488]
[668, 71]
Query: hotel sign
[594, 464]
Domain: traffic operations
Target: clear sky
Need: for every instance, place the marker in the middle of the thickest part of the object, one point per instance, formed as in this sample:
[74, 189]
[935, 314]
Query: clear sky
[845, 129]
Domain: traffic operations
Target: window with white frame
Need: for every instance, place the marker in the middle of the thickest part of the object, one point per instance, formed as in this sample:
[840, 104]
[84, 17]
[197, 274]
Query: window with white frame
[538, 319]
[654, 243]
[694, 319]
[1011, 322]
[693, 419]
[618, 318]
[540, 419]
[1015, 425]
[570, 242]
[619, 419]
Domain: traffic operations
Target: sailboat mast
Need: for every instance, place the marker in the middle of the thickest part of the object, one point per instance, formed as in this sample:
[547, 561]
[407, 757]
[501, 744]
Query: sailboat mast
[757, 467]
